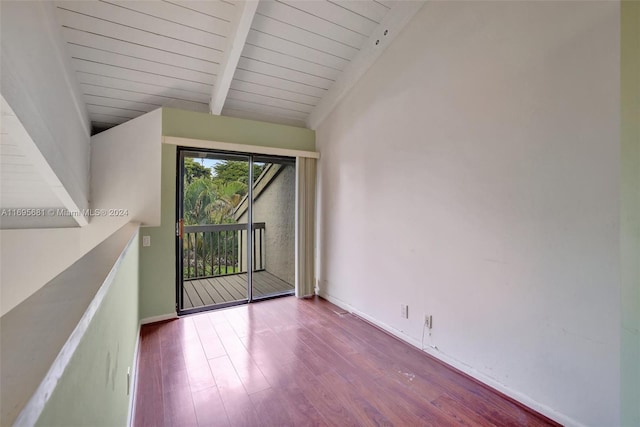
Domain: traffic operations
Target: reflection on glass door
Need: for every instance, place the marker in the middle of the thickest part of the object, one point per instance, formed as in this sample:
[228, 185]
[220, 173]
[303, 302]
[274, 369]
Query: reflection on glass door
[216, 246]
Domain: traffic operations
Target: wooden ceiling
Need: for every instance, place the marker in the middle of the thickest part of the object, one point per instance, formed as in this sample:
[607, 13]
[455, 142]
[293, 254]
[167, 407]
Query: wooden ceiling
[285, 62]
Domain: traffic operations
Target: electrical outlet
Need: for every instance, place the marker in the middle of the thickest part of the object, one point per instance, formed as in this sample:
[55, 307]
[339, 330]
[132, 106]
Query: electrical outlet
[146, 241]
[428, 321]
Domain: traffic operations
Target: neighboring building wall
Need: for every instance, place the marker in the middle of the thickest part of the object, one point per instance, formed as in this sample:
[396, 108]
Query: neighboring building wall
[473, 174]
[276, 207]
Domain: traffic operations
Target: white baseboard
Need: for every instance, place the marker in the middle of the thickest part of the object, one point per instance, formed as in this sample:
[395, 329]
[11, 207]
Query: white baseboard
[451, 361]
[160, 318]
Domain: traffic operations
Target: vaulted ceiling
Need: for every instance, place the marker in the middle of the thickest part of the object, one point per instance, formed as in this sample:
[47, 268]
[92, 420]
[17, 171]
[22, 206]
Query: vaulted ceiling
[285, 62]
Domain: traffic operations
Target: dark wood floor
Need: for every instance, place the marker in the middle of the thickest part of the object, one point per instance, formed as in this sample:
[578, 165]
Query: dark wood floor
[302, 362]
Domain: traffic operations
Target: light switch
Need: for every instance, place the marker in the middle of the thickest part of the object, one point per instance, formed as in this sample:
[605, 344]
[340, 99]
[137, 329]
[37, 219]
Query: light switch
[146, 240]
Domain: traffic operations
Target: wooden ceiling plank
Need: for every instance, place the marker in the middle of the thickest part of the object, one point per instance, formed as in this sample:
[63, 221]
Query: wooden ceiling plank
[262, 109]
[138, 88]
[311, 23]
[13, 160]
[143, 65]
[337, 15]
[140, 76]
[180, 15]
[276, 82]
[241, 25]
[132, 19]
[267, 100]
[114, 112]
[83, 38]
[102, 118]
[274, 92]
[122, 33]
[289, 62]
[386, 3]
[295, 50]
[262, 117]
[284, 73]
[366, 8]
[215, 8]
[289, 32]
[120, 103]
[128, 96]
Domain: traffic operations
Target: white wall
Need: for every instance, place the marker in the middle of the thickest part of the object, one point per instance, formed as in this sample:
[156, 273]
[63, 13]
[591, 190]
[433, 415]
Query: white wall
[42, 90]
[473, 174]
[125, 174]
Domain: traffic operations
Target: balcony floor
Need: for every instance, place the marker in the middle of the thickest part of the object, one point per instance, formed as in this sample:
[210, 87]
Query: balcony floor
[233, 287]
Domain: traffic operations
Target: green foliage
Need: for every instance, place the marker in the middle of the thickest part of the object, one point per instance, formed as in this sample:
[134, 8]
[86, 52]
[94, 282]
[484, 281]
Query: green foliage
[194, 170]
[199, 195]
[229, 171]
[211, 198]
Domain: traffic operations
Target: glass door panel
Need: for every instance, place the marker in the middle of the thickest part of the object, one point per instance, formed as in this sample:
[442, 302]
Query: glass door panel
[212, 256]
[273, 232]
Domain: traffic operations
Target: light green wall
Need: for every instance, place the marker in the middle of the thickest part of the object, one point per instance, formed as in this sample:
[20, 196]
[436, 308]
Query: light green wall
[93, 389]
[630, 211]
[157, 262]
[187, 124]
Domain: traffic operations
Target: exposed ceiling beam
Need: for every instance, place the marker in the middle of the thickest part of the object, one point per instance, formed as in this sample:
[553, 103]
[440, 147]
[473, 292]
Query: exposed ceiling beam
[392, 24]
[236, 41]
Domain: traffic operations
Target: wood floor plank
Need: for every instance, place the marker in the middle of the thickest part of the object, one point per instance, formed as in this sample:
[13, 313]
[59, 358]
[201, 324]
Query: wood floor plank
[269, 405]
[195, 358]
[209, 408]
[177, 398]
[297, 362]
[300, 410]
[237, 404]
[324, 399]
[149, 403]
[209, 339]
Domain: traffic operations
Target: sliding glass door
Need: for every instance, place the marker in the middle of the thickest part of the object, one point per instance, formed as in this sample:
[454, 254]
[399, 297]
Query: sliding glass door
[219, 234]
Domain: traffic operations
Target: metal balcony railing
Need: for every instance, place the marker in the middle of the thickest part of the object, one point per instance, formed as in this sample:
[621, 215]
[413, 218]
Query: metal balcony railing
[218, 250]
